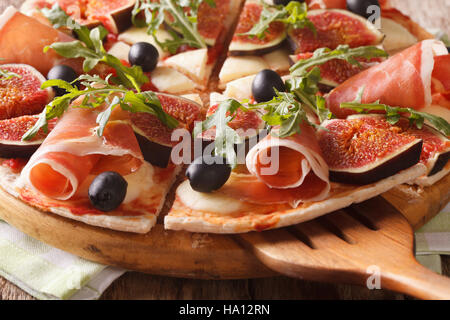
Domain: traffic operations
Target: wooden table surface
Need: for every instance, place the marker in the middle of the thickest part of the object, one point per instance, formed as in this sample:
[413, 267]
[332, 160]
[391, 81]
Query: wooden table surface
[133, 285]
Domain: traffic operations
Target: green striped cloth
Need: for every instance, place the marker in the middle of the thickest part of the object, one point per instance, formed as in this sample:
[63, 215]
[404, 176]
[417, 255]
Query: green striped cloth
[433, 240]
[49, 273]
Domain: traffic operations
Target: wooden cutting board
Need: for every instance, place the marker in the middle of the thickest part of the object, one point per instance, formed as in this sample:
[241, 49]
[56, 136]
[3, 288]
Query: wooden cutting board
[418, 207]
[185, 254]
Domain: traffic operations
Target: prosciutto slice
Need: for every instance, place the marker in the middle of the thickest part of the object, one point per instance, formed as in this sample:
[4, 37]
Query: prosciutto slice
[23, 39]
[287, 170]
[403, 80]
[73, 150]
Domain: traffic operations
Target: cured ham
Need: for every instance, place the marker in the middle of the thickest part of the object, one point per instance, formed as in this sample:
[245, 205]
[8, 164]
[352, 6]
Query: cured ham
[403, 80]
[287, 170]
[73, 151]
[23, 39]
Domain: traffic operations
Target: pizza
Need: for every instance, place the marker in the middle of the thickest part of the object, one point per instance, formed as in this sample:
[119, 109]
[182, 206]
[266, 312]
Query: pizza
[253, 114]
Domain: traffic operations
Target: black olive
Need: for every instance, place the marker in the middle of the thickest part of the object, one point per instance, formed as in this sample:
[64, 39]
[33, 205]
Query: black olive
[360, 7]
[207, 174]
[61, 72]
[107, 191]
[264, 83]
[285, 2]
[145, 55]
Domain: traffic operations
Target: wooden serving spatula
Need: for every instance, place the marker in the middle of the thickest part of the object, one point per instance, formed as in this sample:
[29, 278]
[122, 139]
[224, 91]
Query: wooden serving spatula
[370, 241]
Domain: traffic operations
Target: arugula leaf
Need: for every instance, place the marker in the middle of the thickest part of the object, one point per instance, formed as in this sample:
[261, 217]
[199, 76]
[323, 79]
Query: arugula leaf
[226, 136]
[6, 75]
[306, 90]
[90, 47]
[342, 52]
[97, 93]
[60, 19]
[306, 74]
[294, 14]
[184, 26]
[94, 53]
[284, 111]
[394, 114]
[103, 117]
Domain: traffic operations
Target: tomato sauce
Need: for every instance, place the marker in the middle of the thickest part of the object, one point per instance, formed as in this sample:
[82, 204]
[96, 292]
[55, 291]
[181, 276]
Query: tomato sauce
[16, 165]
[110, 40]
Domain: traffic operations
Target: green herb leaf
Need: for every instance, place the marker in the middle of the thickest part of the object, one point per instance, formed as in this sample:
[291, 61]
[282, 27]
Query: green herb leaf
[184, 14]
[284, 111]
[342, 52]
[6, 75]
[130, 77]
[103, 117]
[60, 19]
[294, 14]
[90, 47]
[394, 114]
[226, 137]
[305, 90]
[96, 94]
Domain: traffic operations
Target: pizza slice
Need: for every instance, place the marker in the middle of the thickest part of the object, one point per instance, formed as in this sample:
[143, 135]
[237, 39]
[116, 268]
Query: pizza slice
[305, 182]
[187, 51]
[124, 152]
[258, 45]
[188, 68]
[414, 78]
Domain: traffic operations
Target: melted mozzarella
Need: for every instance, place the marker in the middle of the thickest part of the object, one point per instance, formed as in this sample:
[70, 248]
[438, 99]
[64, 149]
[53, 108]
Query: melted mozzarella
[397, 36]
[194, 97]
[139, 181]
[238, 67]
[171, 81]
[278, 60]
[216, 98]
[240, 89]
[192, 63]
[120, 50]
[135, 35]
[208, 202]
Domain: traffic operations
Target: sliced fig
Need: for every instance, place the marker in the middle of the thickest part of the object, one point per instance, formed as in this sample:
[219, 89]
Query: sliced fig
[336, 71]
[22, 95]
[366, 149]
[154, 137]
[11, 132]
[333, 27]
[212, 20]
[436, 147]
[248, 125]
[245, 45]
[114, 15]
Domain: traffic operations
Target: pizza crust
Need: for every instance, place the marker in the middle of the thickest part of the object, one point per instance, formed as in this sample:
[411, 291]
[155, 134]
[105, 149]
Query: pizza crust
[427, 181]
[181, 217]
[134, 224]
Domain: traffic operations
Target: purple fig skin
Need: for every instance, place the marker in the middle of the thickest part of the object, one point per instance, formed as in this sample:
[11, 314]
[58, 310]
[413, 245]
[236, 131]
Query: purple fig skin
[257, 52]
[402, 161]
[157, 154]
[440, 164]
[24, 150]
[291, 44]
